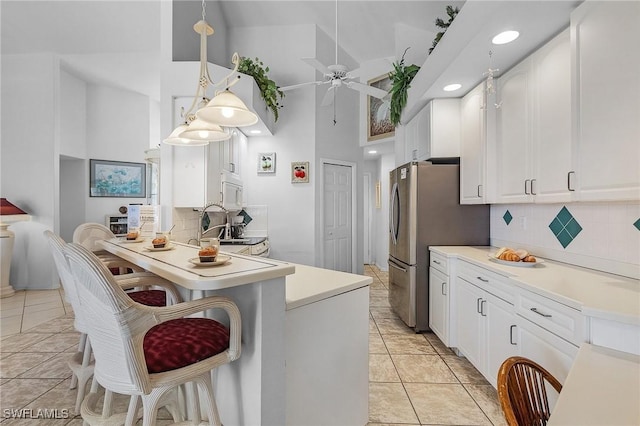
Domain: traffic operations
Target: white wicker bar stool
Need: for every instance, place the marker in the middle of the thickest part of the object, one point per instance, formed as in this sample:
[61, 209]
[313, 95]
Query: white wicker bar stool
[149, 351]
[80, 362]
[87, 234]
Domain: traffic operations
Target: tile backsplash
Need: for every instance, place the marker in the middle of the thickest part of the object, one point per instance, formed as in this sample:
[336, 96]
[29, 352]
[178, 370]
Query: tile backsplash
[601, 236]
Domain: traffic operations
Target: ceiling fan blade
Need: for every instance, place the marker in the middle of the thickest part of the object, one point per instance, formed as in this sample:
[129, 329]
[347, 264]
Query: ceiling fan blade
[369, 90]
[318, 65]
[328, 97]
[354, 73]
[295, 86]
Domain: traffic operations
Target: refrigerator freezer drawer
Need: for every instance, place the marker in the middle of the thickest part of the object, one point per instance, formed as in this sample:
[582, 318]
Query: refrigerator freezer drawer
[402, 291]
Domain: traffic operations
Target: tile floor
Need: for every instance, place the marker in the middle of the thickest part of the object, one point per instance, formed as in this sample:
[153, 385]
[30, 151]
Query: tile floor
[413, 378]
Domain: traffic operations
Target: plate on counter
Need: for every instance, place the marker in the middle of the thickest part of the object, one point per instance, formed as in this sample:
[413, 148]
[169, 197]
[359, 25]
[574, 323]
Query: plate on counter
[165, 248]
[220, 260]
[520, 264]
[137, 240]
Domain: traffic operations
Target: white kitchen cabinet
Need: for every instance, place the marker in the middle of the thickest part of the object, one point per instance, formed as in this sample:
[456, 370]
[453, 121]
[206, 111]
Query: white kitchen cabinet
[473, 146]
[485, 320]
[189, 176]
[439, 290]
[229, 152]
[434, 132]
[606, 93]
[533, 127]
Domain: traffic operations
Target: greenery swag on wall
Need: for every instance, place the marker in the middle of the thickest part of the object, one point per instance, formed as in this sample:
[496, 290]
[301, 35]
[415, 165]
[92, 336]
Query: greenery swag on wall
[269, 90]
[401, 77]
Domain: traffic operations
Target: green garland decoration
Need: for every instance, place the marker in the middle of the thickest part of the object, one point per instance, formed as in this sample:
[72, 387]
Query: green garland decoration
[269, 90]
[444, 25]
[401, 77]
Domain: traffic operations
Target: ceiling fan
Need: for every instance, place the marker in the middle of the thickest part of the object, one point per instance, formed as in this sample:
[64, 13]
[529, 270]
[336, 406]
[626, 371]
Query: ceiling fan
[336, 76]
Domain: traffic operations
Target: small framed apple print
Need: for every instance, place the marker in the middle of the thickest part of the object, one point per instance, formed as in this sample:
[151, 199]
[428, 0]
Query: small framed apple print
[300, 172]
[267, 162]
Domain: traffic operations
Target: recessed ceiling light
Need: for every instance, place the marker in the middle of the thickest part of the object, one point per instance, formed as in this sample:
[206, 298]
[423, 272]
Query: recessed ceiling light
[505, 37]
[452, 87]
[373, 152]
[255, 132]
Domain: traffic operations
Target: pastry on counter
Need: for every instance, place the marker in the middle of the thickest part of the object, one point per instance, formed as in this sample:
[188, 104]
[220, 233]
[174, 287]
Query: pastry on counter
[159, 242]
[208, 254]
[518, 255]
[133, 235]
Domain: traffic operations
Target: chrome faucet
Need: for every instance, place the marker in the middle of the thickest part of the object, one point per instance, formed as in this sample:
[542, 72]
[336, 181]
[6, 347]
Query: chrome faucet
[204, 211]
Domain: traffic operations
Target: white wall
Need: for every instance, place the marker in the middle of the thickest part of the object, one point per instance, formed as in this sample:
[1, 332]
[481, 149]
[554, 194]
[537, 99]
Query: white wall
[387, 163]
[609, 240]
[74, 182]
[73, 115]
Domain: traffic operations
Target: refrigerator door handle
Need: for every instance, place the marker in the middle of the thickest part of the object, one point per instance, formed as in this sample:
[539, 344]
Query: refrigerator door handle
[393, 265]
[392, 209]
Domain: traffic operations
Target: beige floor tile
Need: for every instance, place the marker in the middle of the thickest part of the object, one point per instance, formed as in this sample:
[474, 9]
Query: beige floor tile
[438, 345]
[464, 370]
[18, 343]
[58, 342]
[423, 369]
[16, 300]
[377, 285]
[373, 328]
[55, 326]
[393, 326]
[11, 325]
[40, 307]
[445, 405]
[38, 318]
[11, 311]
[75, 422]
[382, 302]
[56, 367]
[407, 344]
[59, 398]
[17, 363]
[37, 297]
[376, 344]
[389, 403]
[381, 369]
[390, 424]
[382, 312]
[30, 419]
[487, 398]
[17, 393]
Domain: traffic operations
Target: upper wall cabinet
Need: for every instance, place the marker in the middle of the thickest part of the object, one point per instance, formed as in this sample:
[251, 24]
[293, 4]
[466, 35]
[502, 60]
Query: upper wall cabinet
[473, 146]
[533, 127]
[434, 132]
[606, 95]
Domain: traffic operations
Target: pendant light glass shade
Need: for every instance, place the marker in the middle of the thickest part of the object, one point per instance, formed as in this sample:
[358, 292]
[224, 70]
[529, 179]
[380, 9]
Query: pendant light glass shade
[200, 130]
[175, 139]
[226, 109]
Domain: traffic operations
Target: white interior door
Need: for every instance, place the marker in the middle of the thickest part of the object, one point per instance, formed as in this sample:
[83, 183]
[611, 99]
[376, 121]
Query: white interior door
[367, 218]
[337, 206]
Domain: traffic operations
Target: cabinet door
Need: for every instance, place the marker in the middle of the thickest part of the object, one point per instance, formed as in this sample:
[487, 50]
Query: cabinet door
[551, 122]
[606, 71]
[472, 147]
[439, 304]
[513, 181]
[410, 140]
[423, 128]
[470, 323]
[501, 335]
[189, 171]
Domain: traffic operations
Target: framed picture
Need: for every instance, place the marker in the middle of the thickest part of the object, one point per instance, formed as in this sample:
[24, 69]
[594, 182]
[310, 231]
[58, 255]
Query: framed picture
[300, 172]
[117, 179]
[379, 124]
[267, 162]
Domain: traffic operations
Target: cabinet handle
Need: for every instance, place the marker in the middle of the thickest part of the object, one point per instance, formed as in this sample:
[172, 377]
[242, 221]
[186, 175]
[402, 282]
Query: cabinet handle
[482, 308]
[443, 287]
[511, 335]
[532, 191]
[437, 262]
[569, 180]
[482, 279]
[478, 305]
[535, 310]
[479, 191]
[232, 167]
[526, 187]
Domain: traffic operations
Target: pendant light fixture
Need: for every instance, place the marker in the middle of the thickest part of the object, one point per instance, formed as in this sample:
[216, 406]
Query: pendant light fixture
[226, 109]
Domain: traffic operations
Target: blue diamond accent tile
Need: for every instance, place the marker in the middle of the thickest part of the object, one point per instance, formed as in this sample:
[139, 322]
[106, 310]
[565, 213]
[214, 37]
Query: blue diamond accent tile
[637, 224]
[565, 227]
[508, 218]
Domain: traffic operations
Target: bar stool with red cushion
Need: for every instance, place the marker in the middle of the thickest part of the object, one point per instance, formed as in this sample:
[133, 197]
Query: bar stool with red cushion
[149, 351]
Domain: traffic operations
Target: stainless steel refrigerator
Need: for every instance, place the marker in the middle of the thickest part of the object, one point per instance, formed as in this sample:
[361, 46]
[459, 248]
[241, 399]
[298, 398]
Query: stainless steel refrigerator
[425, 211]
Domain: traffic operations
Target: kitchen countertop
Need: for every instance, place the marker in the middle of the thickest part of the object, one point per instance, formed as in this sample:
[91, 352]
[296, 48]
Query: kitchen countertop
[595, 293]
[602, 388]
[309, 284]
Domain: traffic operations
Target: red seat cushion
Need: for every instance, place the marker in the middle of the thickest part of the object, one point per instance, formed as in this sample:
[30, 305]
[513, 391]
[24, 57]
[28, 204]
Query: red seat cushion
[181, 342]
[149, 297]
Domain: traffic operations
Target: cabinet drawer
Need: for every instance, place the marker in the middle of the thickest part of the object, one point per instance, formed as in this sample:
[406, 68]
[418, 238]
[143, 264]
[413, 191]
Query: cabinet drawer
[439, 262]
[555, 317]
[489, 281]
